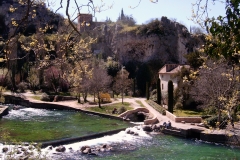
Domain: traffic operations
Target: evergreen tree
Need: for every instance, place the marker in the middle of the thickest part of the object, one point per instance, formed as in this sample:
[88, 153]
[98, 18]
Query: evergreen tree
[159, 91]
[170, 96]
[147, 90]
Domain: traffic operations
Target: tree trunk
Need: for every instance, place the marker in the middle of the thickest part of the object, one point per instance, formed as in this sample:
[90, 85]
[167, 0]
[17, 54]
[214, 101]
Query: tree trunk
[79, 98]
[99, 101]
[85, 97]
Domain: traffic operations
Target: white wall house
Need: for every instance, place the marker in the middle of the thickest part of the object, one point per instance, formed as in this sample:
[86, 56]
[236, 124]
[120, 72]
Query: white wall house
[167, 73]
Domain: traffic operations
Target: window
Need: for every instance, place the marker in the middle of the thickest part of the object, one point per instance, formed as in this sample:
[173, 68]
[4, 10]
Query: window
[162, 86]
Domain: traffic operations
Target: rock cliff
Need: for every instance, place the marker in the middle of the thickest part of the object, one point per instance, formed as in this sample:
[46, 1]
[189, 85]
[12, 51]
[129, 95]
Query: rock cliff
[163, 40]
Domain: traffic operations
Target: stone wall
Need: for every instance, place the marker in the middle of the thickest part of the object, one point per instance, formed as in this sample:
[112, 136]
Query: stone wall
[3, 111]
[183, 119]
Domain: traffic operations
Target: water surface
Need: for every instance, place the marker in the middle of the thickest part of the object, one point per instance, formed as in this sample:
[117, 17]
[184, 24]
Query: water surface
[34, 125]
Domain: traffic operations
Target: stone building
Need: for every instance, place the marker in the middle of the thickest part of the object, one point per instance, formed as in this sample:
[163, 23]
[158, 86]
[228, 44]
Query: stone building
[85, 22]
[167, 73]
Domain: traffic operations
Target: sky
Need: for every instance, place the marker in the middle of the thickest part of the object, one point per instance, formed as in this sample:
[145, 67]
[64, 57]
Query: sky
[143, 12]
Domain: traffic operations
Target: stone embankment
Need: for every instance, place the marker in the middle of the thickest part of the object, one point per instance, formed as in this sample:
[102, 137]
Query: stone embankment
[3, 111]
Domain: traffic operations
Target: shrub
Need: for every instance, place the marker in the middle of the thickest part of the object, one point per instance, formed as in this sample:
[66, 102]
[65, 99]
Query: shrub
[121, 110]
[22, 86]
[153, 95]
[178, 105]
[213, 121]
[45, 97]
[4, 81]
[105, 97]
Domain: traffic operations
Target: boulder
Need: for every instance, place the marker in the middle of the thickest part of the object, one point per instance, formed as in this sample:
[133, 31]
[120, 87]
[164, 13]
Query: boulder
[61, 149]
[19, 152]
[5, 149]
[135, 134]
[87, 151]
[83, 148]
[147, 128]
[104, 146]
[23, 157]
[56, 98]
[92, 154]
[50, 147]
[156, 127]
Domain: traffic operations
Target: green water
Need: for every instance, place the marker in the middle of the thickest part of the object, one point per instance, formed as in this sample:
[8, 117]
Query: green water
[35, 125]
[163, 147]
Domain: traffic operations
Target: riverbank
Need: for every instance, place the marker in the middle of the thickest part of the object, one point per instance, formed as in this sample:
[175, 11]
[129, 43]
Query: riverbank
[186, 130]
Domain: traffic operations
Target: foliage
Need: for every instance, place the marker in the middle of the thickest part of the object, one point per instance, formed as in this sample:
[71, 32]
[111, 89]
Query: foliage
[121, 110]
[147, 90]
[53, 78]
[217, 86]
[109, 108]
[143, 76]
[194, 59]
[105, 97]
[182, 93]
[224, 37]
[33, 79]
[122, 82]
[22, 86]
[129, 29]
[170, 96]
[45, 97]
[153, 95]
[213, 121]
[196, 30]
[154, 27]
[125, 19]
[99, 81]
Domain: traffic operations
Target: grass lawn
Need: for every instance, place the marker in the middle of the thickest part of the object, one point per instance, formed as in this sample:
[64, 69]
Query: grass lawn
[140, 103]
[36, 97]
[187, 113]
[109, 108]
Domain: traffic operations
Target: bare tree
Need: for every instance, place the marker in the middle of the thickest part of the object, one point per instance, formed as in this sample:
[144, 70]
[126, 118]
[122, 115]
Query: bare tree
[216, 81]
[99, 82]
[122, 83]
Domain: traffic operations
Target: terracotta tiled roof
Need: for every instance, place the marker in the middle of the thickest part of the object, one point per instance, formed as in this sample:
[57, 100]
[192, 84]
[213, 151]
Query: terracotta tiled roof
[171, 68]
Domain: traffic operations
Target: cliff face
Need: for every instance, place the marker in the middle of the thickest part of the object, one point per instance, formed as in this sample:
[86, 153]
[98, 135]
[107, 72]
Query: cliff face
[163, 40]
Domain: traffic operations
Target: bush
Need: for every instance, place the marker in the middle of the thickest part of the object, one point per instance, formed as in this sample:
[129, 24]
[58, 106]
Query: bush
[4, 81]
[105, 97]
[121, 110]
[45, 97]
[22, 86]
[178, 105]
[213, 121]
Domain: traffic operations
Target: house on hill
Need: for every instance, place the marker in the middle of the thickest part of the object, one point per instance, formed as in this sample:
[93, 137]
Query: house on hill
[167, 73]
